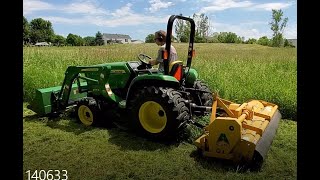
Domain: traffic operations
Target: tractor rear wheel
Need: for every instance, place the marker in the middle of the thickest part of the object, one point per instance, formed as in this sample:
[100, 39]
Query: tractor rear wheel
[157, 112]
[206, 98]
[202, 98]
[88, 112]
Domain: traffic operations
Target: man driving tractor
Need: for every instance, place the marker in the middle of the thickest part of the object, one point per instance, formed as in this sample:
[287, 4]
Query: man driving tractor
[160, 40]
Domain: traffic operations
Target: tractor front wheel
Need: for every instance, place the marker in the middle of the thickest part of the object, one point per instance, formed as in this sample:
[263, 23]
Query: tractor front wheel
[88, 112]
[157, 112]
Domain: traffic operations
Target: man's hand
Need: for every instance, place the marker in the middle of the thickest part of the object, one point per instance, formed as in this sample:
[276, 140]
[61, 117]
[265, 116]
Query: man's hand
[153, 62]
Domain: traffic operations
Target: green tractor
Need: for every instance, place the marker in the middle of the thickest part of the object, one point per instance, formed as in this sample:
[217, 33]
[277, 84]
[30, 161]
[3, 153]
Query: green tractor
[157, 103]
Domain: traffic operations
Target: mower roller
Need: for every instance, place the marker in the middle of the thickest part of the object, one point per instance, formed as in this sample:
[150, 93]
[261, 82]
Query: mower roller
[160, 104]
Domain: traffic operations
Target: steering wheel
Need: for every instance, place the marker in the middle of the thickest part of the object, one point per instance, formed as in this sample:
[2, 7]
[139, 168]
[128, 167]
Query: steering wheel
[143, 59]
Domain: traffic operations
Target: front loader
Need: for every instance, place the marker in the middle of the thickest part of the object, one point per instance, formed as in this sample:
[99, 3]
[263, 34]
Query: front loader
[159, 105]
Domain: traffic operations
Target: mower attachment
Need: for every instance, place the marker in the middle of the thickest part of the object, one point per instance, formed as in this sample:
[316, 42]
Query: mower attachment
[243, 133]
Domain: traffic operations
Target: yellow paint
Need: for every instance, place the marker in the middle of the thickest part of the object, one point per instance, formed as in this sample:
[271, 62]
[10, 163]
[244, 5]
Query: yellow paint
[241, 129]
[152, 117]
[173, 63]
[85, 115]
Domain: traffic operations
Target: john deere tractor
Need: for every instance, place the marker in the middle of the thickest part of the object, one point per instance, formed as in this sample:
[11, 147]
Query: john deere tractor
[159, 104]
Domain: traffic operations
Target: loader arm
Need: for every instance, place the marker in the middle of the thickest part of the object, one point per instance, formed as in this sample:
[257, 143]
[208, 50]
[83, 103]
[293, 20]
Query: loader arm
[60, 100]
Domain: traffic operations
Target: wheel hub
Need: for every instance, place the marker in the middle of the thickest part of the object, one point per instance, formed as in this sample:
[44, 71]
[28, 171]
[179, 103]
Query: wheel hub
[152, 117]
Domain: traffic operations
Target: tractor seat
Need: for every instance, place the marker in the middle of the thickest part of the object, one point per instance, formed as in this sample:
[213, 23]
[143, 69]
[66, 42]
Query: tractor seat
[176, 69]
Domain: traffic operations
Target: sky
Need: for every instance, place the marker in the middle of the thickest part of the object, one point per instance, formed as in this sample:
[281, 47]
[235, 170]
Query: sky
[138, 18]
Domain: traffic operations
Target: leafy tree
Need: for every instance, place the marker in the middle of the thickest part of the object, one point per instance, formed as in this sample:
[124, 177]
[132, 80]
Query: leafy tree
[59, 40]
[99, 40]
[41, 30]
[179, 29]
[26, 30]
[251, 41]
[228, 37]
[90, 41]
[277, 26]
[182, 28]
[150, 38]
[287, 43]
[74, 40]
[264, 41]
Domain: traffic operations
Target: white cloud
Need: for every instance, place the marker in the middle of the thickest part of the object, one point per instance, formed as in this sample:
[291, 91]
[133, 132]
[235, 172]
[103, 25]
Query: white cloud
[123, 11]
[86, 7]
[220, 5]
[254, 29]
[123, 16]
[270, 6]
[156, 5]
[30, 6]
[89, 12]
[290, 32]
[242, 30]
[62, 20]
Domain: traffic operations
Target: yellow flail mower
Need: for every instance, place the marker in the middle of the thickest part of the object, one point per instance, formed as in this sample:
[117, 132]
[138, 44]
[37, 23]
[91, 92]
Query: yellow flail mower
[242, 132]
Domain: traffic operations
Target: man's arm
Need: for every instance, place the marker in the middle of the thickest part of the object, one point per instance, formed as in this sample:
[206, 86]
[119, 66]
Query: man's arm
[153, 62]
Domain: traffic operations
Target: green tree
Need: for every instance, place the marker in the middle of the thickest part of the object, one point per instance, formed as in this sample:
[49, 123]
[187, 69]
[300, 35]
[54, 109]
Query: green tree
[228, 37]
[264, 41]
[99, 40]
[287, 43]
[277, 26]
[89, 41]
[41, 30]
[59, 40]
[26, 30]
[74, 40]
[179, 29]
[202, 26]
[150, 38]
[251, 41]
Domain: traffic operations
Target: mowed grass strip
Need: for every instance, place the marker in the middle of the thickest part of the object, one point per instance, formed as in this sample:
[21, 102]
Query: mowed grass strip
[102, 153]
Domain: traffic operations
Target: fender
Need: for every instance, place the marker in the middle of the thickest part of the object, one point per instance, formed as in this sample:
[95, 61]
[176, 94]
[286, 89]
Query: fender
[152, 80]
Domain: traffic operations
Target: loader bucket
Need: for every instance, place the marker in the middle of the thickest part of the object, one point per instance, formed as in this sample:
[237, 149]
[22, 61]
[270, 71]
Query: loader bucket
[243, 134]
[41, 104]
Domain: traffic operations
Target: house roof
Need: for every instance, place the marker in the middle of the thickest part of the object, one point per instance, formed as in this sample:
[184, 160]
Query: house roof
[42, 44]
[293, 41]
[116, 36]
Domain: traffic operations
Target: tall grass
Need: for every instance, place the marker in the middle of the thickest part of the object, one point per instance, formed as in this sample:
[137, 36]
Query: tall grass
[237, 72]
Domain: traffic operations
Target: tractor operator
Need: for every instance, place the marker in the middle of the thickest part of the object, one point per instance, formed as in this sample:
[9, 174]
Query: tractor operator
[160, 40]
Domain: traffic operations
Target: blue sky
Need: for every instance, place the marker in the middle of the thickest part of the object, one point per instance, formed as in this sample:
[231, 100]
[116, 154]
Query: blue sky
[138, 18]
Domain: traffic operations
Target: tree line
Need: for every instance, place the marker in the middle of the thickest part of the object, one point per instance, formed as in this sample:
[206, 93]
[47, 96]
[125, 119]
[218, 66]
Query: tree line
[40, 30]
[203, 32]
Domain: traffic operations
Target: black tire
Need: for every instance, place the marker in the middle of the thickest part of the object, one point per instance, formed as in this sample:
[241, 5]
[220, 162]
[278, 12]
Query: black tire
[206, 98]
[201, 98]
[88, 112]
[164, 105]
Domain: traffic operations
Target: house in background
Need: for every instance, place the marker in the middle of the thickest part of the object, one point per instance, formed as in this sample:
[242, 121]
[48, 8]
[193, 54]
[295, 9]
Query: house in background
[293, 42]
[137, 41]
[116, 38]
[43, 44]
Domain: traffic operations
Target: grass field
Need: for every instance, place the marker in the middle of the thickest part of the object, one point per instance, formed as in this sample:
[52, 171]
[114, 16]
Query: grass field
[238, 72]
